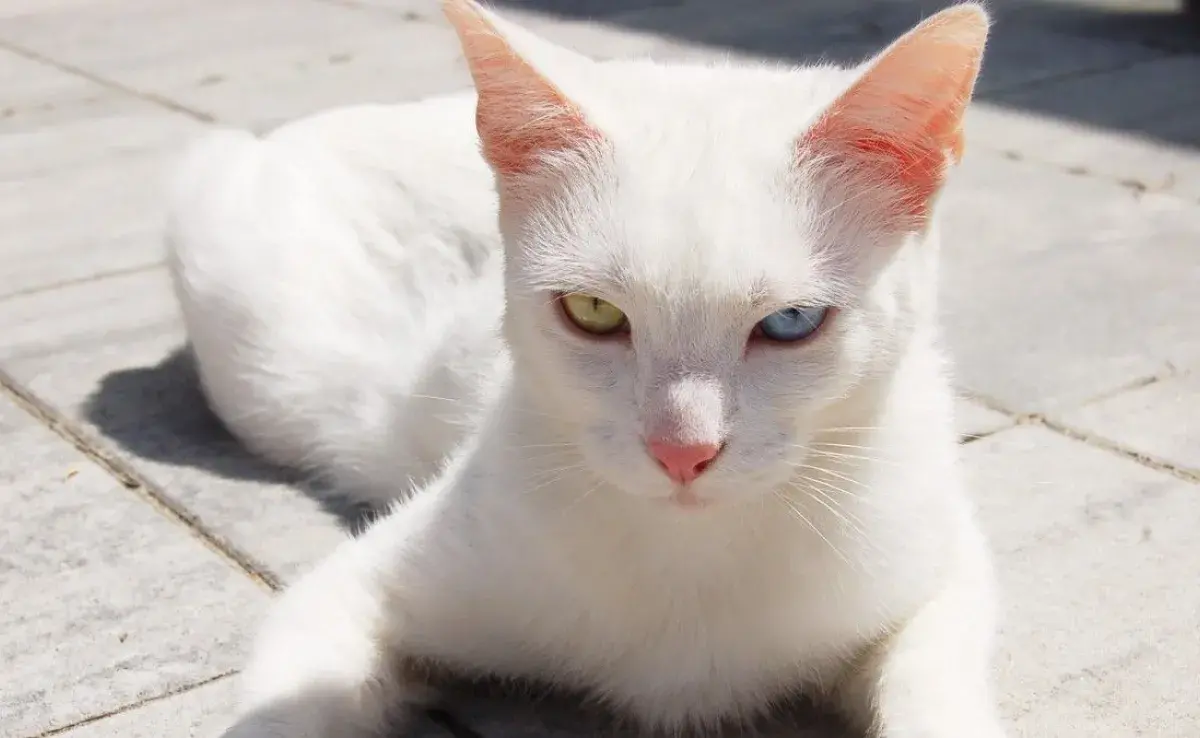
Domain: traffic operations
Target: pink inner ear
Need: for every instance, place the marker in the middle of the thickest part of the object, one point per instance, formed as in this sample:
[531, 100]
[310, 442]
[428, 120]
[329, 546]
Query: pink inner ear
[520, 115]
[517, 131]
[912, 168]
[899, 126]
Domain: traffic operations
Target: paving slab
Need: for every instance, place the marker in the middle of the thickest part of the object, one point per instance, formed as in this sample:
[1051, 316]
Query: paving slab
[202, 712]
[1060, 288]
[52, 120]
[1096, 557]
[107, 602]
[82, 222]
[107, 354]
[795, 31]
[253, 64]
[1160, 420]
[71, 146]
[1147, 101]
[1182, 125]
[1121, 98]
[1139, 163]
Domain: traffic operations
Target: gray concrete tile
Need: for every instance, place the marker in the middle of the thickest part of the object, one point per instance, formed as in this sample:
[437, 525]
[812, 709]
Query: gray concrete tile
[1116, 99]
[84, 169]
[1058, 289]
[1096, 560]
[1140, 162]
[82, 221]
[52, 120]
[600, 40]
[106, 601]
[101, 316]
[1158, 420]
[198, 713]
[254, 64]
[847, 32]
[1182, 126]
[106, 354]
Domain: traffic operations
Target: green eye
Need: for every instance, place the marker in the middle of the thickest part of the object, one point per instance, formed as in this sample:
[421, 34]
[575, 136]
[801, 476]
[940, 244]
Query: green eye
[593, 315]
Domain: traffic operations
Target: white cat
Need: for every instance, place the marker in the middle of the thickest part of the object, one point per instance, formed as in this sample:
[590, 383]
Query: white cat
[711, 464]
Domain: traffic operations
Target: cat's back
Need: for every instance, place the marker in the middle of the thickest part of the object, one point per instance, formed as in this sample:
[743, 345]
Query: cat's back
[420, 157]
[323, 271]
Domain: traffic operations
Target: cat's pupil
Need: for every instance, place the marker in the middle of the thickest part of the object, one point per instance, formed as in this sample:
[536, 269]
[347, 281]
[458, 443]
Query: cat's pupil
[793, 323]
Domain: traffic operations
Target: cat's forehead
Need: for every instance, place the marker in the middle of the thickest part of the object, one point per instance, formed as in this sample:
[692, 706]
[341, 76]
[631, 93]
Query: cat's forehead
[696, 202]
[695, 251]
[644, 104]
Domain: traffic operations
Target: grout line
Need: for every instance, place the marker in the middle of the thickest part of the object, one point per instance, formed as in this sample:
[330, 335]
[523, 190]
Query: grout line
[1091, 439]
[83, 280]
[134, 705]
[1169, 372]
[1136, 187]
[992, 405]
[133, 480]
[151, 97]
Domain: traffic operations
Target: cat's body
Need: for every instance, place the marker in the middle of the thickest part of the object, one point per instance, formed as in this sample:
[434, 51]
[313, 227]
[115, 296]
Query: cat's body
[683, 510]
[326, 275]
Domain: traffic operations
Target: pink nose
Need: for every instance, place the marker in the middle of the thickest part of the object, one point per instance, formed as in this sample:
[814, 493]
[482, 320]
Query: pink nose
[683, 463]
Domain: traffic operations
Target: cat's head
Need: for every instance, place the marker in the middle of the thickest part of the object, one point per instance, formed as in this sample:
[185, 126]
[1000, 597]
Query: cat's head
[701, 261]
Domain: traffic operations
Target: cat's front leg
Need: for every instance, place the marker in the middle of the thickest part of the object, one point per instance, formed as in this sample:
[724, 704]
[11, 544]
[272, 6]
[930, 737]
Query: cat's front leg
[930, 677]
[330, 658]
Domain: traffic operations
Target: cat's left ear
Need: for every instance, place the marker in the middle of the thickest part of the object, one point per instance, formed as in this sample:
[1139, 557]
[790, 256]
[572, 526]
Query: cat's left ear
[521, 116]
[900, 123]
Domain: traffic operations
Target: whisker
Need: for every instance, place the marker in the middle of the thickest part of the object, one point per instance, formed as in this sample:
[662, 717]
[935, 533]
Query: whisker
[832, 473]
[796, 511]
[810, 482]
[554, 476]
[847, 459]
[847, 519]
[830, 444]
[584, 496]
[564, 444]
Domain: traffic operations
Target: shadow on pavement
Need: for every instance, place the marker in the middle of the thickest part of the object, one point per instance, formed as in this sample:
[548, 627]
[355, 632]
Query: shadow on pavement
[1036, 44]
[159, 413]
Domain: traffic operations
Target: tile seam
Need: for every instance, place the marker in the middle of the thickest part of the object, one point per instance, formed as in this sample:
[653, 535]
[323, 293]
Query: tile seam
[130, 707]
[161, 101]
[137, 483]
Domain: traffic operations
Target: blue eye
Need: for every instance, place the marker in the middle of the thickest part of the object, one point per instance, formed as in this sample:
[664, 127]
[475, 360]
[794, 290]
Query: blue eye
[793, 323]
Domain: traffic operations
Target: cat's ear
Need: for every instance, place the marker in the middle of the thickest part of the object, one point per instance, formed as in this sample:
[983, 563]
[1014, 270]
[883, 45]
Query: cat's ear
[521, 116]
[900, 123]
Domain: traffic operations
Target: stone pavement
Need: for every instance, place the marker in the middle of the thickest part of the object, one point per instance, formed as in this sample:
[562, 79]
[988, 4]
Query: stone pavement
[139, 544]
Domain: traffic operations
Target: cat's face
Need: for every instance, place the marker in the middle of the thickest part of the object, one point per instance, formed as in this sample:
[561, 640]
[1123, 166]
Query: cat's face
[723, 317]
[701, 263]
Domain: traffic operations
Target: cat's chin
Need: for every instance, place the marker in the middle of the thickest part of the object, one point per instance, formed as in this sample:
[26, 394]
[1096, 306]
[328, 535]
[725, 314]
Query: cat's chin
[685, 498]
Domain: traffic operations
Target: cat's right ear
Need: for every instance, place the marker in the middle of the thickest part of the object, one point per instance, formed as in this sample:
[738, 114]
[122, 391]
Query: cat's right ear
[521, 116]
[900, 122]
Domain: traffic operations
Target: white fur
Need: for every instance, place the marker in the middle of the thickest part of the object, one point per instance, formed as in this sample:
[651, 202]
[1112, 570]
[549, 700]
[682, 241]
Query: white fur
[325, 274]
[338, 272]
